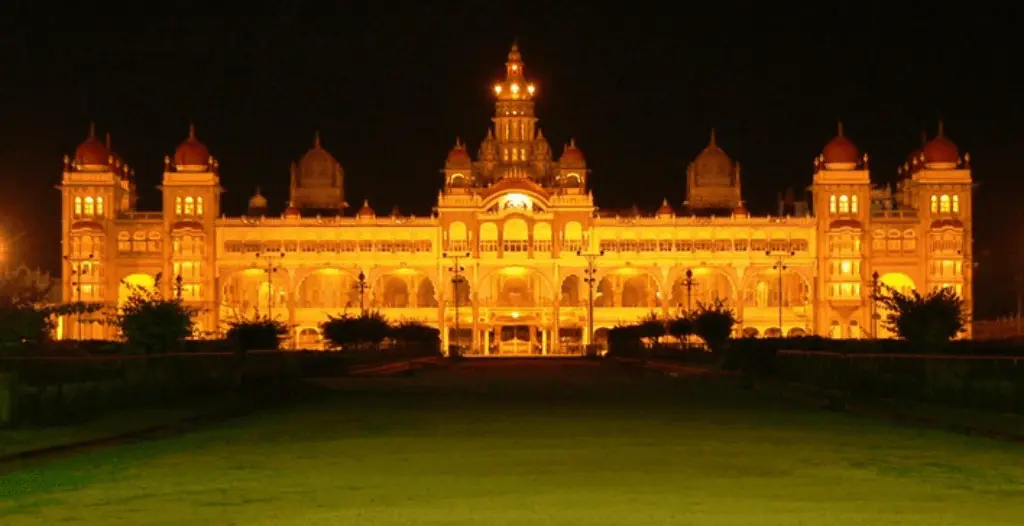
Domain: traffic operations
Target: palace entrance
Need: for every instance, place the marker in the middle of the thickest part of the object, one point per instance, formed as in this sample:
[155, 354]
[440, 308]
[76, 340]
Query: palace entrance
[515, 340]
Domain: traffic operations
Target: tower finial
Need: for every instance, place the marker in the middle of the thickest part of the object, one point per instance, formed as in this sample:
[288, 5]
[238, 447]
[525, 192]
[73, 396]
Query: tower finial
[712, 142]
[941, 131]
[316, 140]
[840, 128]
[108, 141]
[92, 130]
[191, 131]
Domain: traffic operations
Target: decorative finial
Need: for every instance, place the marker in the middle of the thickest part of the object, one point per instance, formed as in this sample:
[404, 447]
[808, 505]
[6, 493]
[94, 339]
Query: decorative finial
[191, 131]
[108, 140]
[258, 191]
[941, 132]
[572, 142]
[316, 140]
[540, 134]
[712, 142]
[967, 160]
[840, 128]
[92, 130]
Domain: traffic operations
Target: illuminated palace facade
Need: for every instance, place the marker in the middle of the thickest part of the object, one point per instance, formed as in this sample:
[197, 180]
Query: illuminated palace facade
[520, 226]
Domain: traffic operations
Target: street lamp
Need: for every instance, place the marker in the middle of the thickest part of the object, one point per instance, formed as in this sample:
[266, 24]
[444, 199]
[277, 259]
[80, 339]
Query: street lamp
[688, 283]
[591, 280]
[271, 269]
[780, 267]
[178, 286]
[361, 285]
[76, 284]
[874, 305]
[456, 269]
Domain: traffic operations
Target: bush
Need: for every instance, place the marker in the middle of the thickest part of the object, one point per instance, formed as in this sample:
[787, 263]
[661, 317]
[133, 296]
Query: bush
[713, 322]
[261, 333]
[368, 329]
[929, 321]
[152, 323]
[415, 333]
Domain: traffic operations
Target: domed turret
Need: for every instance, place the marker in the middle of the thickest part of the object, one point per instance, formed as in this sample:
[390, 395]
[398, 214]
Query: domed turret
[665, 210]
[192, 155]
[292, 212]
[572, 157]
[940, 151]
[458, 157]
[489, 148]
[713, 167]
[92, 152]
[257, 204]
[541, 148]
[366, 212]
[840, 152]
[318, 180]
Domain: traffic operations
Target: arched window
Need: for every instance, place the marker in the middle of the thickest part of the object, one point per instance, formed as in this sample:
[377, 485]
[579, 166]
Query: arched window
[853, 204]
[832, 203]
[99, 206]
[944, 204]
[199, 206]
[90, 206]
[935, 203]
[78, 206]
[177, 206]
[190, 206]
[844, 204]
[956, 204]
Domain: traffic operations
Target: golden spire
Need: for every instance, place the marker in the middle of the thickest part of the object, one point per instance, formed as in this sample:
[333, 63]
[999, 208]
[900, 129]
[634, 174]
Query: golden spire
[316, 140]
[515, 86]
[92, 130]
[941, 131]
[191, 131]
[712, 143]
[108, 140]
[840, 128]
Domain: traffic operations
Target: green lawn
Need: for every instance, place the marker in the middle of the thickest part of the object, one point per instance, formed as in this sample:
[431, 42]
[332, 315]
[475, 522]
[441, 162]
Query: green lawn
[496, 444]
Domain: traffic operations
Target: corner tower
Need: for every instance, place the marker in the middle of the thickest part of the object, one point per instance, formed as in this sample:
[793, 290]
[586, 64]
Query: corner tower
[514, 118]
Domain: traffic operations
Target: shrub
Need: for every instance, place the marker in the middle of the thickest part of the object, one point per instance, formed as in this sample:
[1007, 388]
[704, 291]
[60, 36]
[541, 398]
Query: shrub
[928, 321]
[416, 333]
[714, 322]
[258, 333]
[152, 323]
[366, 330]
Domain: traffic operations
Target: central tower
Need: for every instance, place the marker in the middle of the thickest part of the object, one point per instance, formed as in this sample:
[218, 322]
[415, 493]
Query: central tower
[514, 119]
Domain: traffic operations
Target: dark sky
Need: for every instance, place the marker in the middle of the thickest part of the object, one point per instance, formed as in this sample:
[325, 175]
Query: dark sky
[390, 87]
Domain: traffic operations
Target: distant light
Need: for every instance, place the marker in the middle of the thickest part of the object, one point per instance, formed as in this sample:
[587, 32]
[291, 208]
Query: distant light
[497, 89]
[515, 88]
[531, 89]
[515, 67]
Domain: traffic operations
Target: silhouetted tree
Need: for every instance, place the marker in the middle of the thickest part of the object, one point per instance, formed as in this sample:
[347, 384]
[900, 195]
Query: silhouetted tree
[923, 320]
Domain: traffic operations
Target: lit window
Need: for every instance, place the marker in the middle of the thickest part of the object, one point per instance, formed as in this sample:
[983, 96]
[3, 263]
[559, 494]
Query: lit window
[190, 206]
[853, 204]
[90, 206]
[956, 204]
[99, 206]
[844, 204]
[832, 204]
[177, 206]
[846, 268]
[944, 204]
[78, 206]
[199, 206]
[935, 203]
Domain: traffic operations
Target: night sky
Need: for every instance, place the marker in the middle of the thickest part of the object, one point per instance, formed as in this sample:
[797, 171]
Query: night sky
[391, 87]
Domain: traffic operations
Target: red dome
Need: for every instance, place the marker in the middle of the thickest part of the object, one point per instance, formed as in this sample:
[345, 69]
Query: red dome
[191, 152]
[92, 151]
[840, 149]
[941, 150]
[458, 154]
[366, 211]
[572, 154]
[666, 209]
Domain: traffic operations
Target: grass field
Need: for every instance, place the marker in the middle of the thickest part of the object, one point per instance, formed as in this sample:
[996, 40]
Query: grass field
[496, 443]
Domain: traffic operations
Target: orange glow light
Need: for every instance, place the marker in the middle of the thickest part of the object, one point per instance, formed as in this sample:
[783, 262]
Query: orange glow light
[497, 89]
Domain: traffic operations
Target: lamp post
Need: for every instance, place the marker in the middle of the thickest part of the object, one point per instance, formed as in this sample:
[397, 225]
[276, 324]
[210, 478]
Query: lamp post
[456, 269]
[591, 280]
[271, 269]
[874, 305]
[76, 284]
[178, 286]
[361, 286]
[688, 283]
[780, 266]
